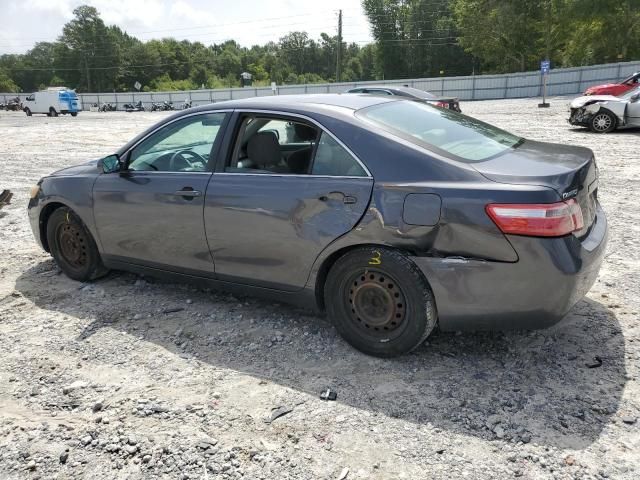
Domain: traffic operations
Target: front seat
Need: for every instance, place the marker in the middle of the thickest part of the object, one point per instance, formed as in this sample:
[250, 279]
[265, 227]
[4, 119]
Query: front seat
[299, 160]
[264, 152]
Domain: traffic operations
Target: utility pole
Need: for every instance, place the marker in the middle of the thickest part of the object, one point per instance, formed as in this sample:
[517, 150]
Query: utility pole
[545, 65]
[86, 66]
[339, 49]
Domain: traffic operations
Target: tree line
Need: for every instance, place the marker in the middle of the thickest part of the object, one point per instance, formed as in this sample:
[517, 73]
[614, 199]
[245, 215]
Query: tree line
[412, 38]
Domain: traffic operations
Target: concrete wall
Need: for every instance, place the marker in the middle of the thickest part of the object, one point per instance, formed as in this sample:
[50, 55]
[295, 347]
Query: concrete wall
[562, 81]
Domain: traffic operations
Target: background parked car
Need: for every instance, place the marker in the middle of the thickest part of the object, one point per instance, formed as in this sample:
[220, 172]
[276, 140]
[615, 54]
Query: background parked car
[409, 92]
[615, 88]
[605, 113]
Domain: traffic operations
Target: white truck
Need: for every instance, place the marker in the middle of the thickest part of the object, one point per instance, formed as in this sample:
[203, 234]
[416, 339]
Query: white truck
[53, 102]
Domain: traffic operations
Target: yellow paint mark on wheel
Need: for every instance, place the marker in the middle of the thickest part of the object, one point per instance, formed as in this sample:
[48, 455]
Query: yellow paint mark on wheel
[376, 259]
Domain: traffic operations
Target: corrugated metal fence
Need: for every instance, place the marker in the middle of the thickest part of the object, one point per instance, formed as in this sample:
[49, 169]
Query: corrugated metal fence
[562, 81]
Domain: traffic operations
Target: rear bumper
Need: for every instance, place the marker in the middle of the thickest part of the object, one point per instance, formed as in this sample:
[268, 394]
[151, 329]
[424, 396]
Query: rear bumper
[550, 277]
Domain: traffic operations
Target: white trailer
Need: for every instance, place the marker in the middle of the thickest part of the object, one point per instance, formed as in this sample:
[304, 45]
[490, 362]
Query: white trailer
[53, 102]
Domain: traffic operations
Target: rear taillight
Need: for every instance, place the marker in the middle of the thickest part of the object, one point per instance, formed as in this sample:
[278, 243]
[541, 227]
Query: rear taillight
[537, 219]
[442, 104]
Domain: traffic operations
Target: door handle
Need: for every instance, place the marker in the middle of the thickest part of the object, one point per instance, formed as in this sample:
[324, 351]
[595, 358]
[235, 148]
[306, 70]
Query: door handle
[188, 192]
[348, 199]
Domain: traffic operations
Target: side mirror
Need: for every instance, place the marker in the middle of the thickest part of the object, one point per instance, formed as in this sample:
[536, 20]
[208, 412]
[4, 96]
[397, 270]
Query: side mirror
[110, 164]
[635, 97]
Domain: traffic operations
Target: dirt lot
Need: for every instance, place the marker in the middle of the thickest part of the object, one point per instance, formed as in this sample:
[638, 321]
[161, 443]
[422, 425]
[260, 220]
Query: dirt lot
[131, 378]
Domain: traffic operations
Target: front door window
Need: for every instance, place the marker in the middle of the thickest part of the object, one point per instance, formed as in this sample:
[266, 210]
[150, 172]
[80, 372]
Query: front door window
[182, 146]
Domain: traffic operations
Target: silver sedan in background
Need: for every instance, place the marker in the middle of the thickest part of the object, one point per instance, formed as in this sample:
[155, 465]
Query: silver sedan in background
[605, 113]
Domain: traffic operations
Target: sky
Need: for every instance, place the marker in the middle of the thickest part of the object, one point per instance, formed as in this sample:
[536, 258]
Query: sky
[249, 22]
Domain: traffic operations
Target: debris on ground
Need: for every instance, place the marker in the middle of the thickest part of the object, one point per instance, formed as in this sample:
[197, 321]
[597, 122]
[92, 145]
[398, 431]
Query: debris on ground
[328, 394]
[596, 362]
[343, 473]
[277, 413]
[5, 198]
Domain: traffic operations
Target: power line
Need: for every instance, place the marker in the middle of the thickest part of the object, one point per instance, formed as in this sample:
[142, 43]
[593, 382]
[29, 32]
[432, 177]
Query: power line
[244, 22]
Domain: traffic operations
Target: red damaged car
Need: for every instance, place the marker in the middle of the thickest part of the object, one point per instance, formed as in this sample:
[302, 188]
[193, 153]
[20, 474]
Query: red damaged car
[615, 89]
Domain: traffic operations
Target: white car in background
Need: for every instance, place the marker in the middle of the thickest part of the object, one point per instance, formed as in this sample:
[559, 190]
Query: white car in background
[605, 113]
[53, 102]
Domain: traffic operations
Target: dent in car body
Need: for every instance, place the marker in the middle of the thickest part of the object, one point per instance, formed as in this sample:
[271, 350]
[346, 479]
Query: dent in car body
[542, 287]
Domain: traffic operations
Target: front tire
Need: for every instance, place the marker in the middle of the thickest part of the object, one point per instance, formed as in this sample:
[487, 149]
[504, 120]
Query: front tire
[379, 301]
[73, 247]
[28, 112]
[52, 112]
[74, 114]
[603, 122]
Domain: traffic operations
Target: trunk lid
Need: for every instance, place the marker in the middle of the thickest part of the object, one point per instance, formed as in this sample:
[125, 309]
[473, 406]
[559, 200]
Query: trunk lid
[570, 171]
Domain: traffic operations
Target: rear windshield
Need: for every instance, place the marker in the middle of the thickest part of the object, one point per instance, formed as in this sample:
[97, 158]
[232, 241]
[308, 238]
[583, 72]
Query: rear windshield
[414, 92]
[442, 130]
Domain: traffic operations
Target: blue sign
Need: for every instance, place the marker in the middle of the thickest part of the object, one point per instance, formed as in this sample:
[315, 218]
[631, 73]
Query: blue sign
[545, 66]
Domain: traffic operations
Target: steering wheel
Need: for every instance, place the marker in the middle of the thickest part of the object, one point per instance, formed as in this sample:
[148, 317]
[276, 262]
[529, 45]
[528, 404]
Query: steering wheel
[180, 155]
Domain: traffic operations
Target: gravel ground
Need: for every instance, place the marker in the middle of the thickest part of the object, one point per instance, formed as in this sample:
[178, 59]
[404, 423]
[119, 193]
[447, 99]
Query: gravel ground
[131, 378]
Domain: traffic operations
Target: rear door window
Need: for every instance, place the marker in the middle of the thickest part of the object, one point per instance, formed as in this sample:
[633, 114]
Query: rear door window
[289, 146]
[268, 145]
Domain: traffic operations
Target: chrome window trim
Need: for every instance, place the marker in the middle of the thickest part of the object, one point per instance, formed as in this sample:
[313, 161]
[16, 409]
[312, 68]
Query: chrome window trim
[154, 172]
[290, 175]
[317, 124]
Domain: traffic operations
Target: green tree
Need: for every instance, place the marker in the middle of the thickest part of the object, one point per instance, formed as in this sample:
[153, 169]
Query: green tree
[415, 38]
[92, 48]
[6, 84]
[601, 31]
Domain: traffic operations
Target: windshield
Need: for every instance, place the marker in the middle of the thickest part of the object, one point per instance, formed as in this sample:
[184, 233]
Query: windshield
[630, 93]
[439, 129]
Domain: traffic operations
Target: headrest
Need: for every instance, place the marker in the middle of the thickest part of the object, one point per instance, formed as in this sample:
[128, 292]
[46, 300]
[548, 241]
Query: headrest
[263, 149]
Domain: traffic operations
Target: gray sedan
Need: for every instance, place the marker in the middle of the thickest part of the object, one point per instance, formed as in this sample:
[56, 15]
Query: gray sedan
[392, 215]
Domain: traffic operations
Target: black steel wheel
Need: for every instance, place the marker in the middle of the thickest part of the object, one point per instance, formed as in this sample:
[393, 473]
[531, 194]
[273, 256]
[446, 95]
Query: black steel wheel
[376, 302]
[379, 301]
[73, 247]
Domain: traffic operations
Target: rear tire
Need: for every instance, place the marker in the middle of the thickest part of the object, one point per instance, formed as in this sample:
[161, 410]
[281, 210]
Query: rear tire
[73, 247]
[379, 301]
[52, 112]
[603, 122]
